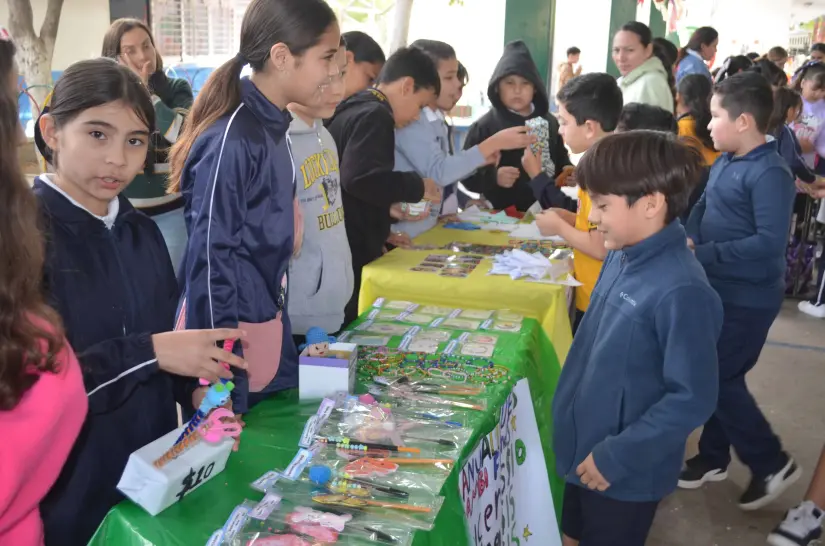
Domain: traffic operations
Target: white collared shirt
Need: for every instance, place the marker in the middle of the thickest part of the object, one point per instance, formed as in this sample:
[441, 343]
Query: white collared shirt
[114, 204]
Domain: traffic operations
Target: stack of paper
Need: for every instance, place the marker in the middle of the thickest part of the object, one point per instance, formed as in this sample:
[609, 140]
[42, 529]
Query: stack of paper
[517, 264]
[531, 231]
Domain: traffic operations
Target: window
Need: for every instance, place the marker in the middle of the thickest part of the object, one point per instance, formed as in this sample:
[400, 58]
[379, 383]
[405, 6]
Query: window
[197, 31]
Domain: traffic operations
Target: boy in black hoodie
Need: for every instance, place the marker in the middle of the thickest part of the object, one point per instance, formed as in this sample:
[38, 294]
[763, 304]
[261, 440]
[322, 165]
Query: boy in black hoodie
[517, 94]
[364, 130]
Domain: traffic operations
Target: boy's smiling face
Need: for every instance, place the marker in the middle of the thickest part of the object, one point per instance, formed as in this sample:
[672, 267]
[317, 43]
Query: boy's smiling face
[622, 225]
[516, 93]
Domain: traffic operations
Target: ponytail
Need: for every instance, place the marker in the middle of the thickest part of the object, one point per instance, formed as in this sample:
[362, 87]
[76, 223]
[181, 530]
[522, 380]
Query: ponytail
[701, 36]
[298, 24]
[220, 95]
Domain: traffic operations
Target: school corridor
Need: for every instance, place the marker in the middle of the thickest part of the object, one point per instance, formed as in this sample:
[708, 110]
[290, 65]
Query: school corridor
[788, 385]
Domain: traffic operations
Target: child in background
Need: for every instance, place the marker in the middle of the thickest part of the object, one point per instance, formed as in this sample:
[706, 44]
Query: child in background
[739, 233]
[637, 116]
[775, 76]
[642, 373]
[109, 275]
[809, 80]
[786, 110]
[234, 168]
[42, 399]
[322, 271]
[423, 145]
[365, 59]
[589, 109]
[364, 129]
[517, 94]
[568, 69]
[693, 116]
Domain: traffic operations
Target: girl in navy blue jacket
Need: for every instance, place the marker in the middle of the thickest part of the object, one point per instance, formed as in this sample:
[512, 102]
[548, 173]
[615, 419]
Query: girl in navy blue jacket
[109, 275]
[234, 168]
[787, 107]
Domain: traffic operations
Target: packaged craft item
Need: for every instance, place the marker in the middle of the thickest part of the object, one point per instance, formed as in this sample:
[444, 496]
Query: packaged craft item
[363, 422]
[410, 398]
[289, 517]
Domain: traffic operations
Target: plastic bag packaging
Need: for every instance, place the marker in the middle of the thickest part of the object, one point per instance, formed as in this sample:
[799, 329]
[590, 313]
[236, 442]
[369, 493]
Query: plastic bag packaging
[361, 420]
[381, 512]
[305, 525]
[407, 397]
[381, 473]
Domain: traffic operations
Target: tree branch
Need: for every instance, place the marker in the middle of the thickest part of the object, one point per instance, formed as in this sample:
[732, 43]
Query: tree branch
[21, 19]
[48, 31]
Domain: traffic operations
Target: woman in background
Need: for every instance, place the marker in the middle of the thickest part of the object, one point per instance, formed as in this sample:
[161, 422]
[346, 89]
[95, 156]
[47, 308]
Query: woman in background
[646, 78]
[700, 49]
[130, 43]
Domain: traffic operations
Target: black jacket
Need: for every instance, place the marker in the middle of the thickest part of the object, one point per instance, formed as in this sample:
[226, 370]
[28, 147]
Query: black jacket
[364, 130]
[113, 288]
[516, 60]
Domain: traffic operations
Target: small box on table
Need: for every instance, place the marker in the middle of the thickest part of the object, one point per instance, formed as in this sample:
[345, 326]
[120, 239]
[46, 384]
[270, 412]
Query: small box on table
[155, 489]
[323, 376]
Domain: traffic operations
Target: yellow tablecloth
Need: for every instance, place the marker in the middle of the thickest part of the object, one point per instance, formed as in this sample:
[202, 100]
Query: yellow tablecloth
[390, 277]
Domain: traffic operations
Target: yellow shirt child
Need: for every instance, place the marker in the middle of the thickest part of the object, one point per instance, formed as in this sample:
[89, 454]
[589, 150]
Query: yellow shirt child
[585, 268]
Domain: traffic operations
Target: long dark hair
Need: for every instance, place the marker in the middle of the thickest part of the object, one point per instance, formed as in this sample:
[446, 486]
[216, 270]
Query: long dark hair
[31, 336]
[695, 91]
[812, 70]
[91, 83]
[732, 66]
[298, 24]
[701, 36]
[784, 98]
[113, 36]
[775, 76]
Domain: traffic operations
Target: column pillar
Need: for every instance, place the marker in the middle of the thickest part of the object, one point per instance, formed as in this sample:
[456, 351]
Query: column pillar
[532, 21]
[621, 11]
[137, 9]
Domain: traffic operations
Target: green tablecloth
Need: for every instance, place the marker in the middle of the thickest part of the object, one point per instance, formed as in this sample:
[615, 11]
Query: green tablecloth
[270, 440]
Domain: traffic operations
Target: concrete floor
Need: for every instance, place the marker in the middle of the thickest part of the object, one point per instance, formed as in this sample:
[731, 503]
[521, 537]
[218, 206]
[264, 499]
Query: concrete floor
[789, 384]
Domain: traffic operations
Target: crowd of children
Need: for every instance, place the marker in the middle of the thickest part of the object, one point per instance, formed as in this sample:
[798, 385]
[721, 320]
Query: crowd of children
[286, 183]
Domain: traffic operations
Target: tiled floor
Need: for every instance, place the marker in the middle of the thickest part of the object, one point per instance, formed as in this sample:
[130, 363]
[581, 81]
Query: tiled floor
[789, 383]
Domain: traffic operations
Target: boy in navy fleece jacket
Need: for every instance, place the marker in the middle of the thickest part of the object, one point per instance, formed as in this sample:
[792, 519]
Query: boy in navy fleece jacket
[740, 229]
[641, 374]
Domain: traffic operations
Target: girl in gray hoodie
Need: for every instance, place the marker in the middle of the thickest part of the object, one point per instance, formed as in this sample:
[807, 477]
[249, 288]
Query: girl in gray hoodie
[321, 272]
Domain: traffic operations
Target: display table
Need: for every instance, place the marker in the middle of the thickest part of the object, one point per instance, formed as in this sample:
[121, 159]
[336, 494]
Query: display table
[390, 277]
[270, 441]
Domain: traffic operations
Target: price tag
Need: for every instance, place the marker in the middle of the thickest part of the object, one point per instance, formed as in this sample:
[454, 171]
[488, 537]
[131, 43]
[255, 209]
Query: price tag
[194, 478]
[266, 481]
[267, 505]
[379, 302]
[296, 467]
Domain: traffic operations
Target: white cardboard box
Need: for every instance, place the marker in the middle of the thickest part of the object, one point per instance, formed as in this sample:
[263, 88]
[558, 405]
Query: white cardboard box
[155, 489]
[320, 377]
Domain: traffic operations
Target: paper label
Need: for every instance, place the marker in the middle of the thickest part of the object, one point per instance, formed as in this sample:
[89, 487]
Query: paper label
[267, 505]
[451, 347]
[298, 464]
[235, 523]
[364, 325]
[404, 343]
[464, 337]
[310, 431]
[412, 307]
[379, 302]
[414, 331]
[455, 313]
[404, 314]
[345, 336]
[325, 410]
[216, 539]
[436, 322]
[486, 324]
[374, 313]
[266, 481]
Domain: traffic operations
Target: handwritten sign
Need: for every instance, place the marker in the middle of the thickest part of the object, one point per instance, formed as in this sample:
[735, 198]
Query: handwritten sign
[504, 486]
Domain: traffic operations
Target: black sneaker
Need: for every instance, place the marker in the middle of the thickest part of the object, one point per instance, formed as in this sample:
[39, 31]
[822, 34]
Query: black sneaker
[696, 472]
[801, 526]
[763, 491]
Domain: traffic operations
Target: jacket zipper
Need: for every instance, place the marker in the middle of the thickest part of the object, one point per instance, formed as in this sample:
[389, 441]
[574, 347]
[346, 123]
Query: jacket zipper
[126, 307]
[571, 471]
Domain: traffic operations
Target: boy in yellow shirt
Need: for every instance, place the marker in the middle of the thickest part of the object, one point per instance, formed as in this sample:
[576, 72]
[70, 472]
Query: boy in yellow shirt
[589, 109]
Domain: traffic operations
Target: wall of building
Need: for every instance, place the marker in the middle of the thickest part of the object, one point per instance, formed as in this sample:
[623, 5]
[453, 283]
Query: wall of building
[82, 26]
